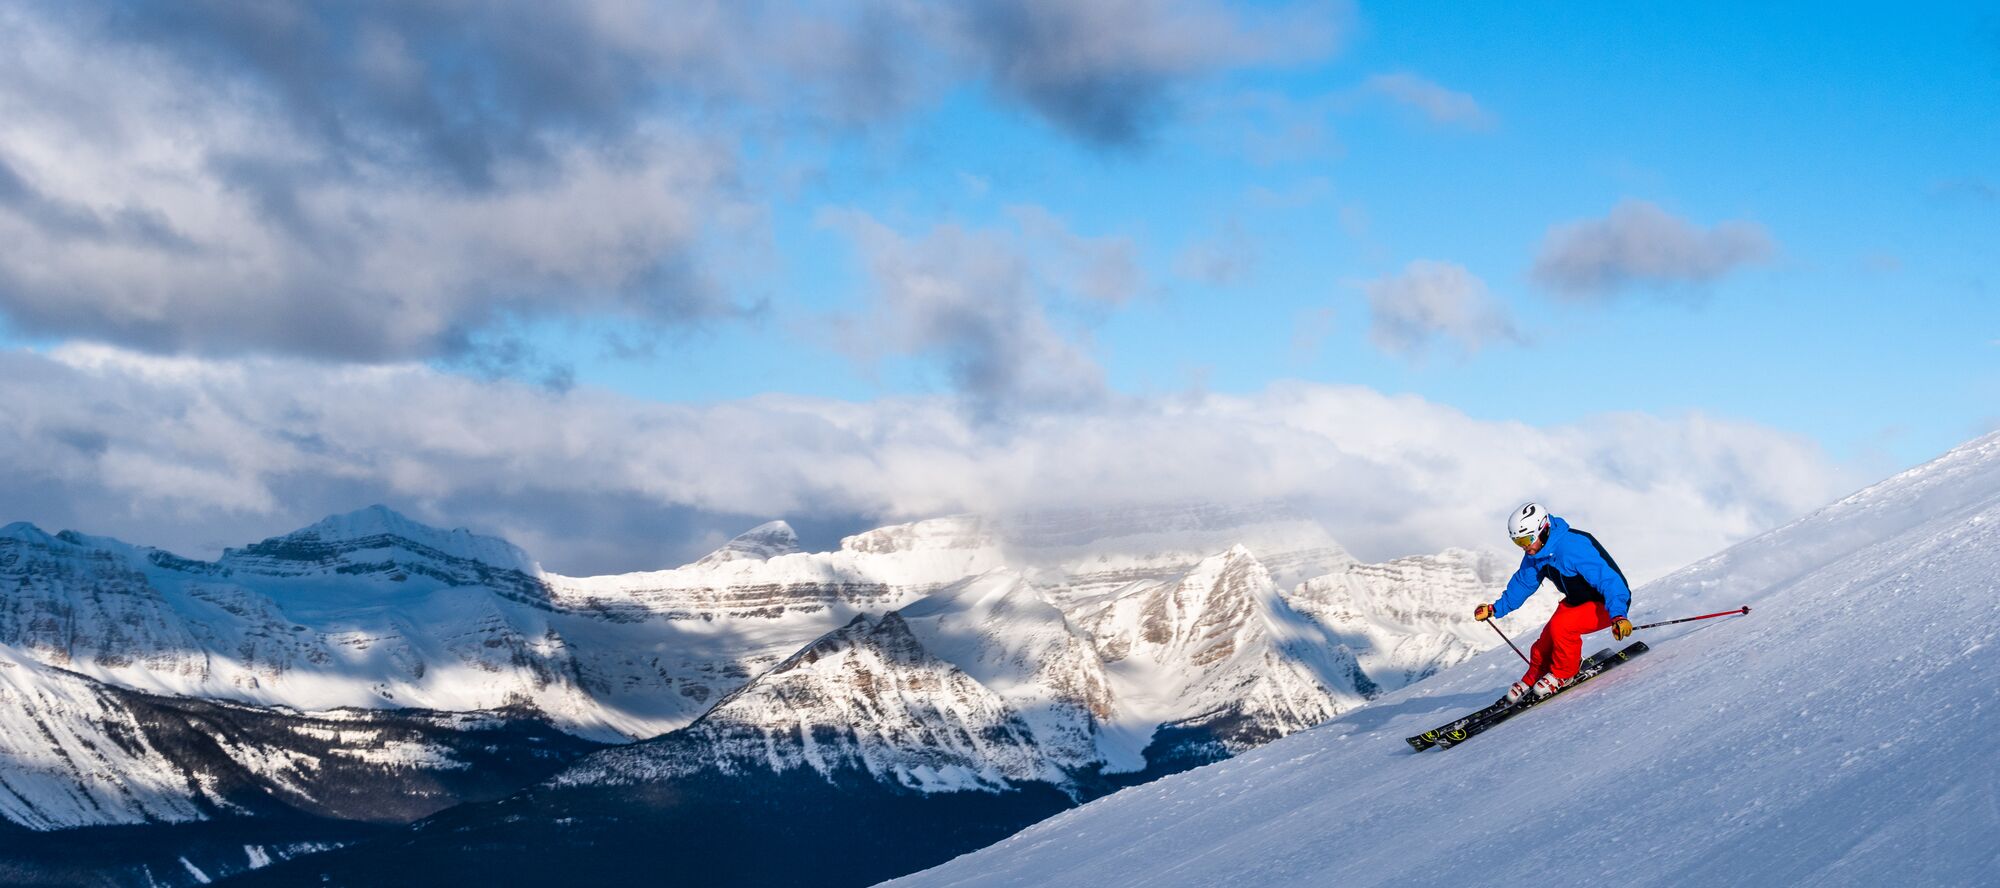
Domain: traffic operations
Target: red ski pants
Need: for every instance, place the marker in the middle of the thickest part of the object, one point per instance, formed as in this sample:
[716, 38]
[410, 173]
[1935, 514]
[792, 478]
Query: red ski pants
[1559, 652]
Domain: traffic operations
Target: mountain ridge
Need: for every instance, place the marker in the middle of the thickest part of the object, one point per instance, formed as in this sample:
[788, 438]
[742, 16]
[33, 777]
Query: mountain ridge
[939, 661]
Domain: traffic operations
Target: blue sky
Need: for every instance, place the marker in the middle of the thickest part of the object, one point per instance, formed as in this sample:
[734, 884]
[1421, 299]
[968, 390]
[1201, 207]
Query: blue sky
[855, 261]
[1856, 141]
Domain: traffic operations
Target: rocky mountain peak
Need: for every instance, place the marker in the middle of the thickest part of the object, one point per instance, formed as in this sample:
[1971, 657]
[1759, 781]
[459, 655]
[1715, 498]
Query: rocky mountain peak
[955, 532]
[25, 532]
[761, 543]
[376, 537]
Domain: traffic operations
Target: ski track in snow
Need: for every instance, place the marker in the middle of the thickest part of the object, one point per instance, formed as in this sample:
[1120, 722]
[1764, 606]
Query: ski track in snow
[1841, 734]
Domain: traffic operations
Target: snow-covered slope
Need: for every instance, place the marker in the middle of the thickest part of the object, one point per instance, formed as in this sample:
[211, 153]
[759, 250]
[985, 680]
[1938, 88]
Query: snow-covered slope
[71, 754]
[1218, 651]
[1841, 734]
[987, 684]
[363, 610]
[867, 699]
[378, 540]
[373, 610]
[980, 686]
[76, 752]
[1405, 619]
[1003, 632]
[761, 543]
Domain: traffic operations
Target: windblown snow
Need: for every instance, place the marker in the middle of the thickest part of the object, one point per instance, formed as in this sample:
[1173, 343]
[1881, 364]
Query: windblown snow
[1840, 734]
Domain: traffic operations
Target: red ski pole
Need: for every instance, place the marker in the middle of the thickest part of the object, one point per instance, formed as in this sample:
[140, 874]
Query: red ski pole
[1743, 610]
[1509, 641]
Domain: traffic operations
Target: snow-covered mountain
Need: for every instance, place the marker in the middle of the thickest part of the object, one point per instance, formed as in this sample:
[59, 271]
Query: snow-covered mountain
[988, 683]
[1218, 658]
[363, 610]
[990, 665]
[867, 700]
[75, 752]
[972, 711]
[1840, 734]
[373, 610]
[63, 766]
[1404, 620]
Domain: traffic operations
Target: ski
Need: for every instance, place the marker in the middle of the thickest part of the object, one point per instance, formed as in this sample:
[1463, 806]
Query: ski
[1430, 738]
[1480, 726]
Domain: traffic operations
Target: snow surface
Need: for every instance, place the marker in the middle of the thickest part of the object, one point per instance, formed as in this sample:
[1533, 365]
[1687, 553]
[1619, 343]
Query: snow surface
[1217, 642]
[761, 543]
[868, 698]
[1841, 734]
[71, 755]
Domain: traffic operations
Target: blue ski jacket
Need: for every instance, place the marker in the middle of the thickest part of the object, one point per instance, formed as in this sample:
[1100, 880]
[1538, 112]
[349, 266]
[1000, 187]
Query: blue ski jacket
[1577, 563]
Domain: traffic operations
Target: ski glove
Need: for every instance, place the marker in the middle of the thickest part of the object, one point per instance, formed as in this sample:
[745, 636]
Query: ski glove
[1483, 612]
[1621, 628]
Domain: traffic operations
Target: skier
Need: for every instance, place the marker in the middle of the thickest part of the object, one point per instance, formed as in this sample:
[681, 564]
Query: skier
[1595, 596]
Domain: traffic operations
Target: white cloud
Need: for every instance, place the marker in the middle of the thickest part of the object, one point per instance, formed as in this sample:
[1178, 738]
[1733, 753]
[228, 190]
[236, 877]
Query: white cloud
[1641, 245]
[979, 300]
[393, 181]
[191, 454]
[177, 211]
[1429, 300]
[1441, 106]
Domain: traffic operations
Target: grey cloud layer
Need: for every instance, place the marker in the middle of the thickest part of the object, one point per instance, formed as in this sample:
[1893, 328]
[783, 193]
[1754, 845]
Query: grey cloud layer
[245, 179]
[1105, 70]
[192, 454]
[1641, 245]
[1432, 300]
[376, 180]
[978, 299]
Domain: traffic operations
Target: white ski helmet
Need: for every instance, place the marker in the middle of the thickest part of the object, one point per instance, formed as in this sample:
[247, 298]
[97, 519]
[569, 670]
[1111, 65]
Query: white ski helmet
[1528, 520]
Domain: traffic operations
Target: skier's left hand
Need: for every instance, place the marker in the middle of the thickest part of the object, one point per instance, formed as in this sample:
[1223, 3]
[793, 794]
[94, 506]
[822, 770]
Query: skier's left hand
[1621, 628]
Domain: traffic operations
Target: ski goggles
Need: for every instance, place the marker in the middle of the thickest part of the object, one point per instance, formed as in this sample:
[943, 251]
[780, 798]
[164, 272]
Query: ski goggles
[1526, 541]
